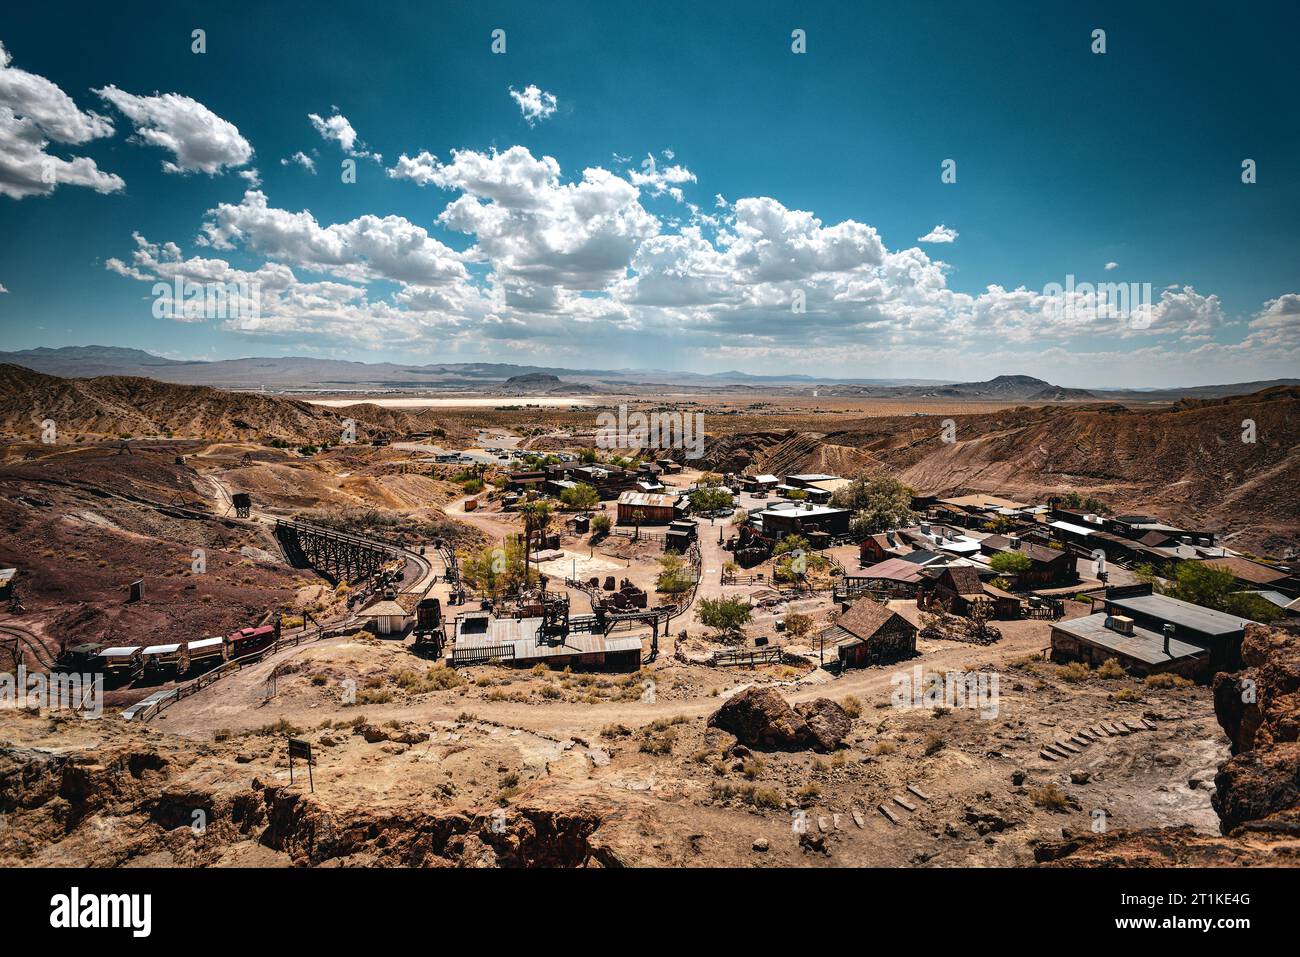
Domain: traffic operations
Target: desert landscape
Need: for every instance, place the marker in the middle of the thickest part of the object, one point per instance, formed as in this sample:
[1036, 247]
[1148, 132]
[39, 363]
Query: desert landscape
[701, 741]
[699, 452]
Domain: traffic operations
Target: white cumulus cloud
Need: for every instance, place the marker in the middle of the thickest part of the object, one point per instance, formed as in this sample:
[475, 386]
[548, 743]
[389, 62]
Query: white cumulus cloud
[34, 112]
[535, 104]
[940, 234]
[200, 141]
[300, 159]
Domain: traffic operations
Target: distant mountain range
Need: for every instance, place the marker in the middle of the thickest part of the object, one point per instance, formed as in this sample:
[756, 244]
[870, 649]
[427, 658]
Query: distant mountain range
[301, 374]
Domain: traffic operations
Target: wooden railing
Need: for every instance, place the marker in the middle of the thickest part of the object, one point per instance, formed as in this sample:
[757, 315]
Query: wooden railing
[202, 681]
[481, 654]
[748, 657]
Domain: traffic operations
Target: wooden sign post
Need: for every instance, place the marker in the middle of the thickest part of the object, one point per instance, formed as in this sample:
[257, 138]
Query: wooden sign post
[298, 748]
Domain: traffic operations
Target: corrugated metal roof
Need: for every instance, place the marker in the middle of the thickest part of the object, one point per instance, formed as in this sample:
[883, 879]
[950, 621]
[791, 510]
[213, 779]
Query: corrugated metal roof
[646, 499]
[894, 569]
[522, 633]
[1143, 645]
[1182, 614]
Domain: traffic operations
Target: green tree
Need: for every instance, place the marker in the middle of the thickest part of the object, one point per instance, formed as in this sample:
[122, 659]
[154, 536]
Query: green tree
[878, 503]
[600, 526]
[798, 625]
[999, 524]
[1083, 503]
[496, 571]
[790, 543]
[675, 575]
[1216, 588]
[727, 616]
[581, 496]
[1010, 563]
[710, 499]
[537, 516]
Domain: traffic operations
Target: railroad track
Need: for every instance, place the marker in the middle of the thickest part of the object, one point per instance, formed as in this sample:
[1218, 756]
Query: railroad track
[28, 639]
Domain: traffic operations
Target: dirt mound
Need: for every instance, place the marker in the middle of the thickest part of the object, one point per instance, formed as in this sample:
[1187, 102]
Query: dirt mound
[81, 525]
[123, 406]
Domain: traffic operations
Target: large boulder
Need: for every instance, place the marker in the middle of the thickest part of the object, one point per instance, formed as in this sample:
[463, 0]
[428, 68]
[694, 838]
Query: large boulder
[828, 723]
[761, 718]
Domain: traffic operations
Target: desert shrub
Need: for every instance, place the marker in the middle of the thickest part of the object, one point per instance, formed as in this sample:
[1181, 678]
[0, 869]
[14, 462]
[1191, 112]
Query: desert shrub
[658, 742]
[884, 747]
[1050, 797]
[727, 616]
[1166, 679]
[283, 728]
[1110, 668]
[852, 706]
[758, 797]
[808, 793]
[1074, 672]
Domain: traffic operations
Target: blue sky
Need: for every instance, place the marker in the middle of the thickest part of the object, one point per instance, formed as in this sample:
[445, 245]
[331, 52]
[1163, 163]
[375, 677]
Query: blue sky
[778, 230]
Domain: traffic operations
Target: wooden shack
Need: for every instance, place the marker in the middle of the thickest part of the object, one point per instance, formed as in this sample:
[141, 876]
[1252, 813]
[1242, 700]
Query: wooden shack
[646, 508]
[870, 633]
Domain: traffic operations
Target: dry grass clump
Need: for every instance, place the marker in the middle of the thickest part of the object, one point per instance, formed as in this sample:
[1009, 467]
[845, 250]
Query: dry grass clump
[1050, 797]
[1166, 679]
[1074, 672]
[1110, 668]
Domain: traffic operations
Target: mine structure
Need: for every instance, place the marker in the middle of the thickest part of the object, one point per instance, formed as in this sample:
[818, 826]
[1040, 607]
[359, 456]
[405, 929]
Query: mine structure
[341, 556]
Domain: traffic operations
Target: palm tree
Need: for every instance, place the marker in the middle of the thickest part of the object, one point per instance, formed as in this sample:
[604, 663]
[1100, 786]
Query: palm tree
[537, 516]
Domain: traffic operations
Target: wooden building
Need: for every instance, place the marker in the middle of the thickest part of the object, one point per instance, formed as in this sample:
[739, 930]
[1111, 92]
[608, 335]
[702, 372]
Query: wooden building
[1098, 638]
[1219, 633]
[526, 481]
[483, 639]
[646, 508]
[1047, 566]
[870, 633]
[389, 617]
[1257, 575]
[882, 546]
[803, 519]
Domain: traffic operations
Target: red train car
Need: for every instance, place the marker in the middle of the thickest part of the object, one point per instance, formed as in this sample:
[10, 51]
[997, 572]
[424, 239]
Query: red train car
[248, 640]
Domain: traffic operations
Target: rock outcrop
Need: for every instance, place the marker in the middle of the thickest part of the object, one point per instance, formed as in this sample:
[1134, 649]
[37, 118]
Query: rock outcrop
[1257, 790]
[761, 718]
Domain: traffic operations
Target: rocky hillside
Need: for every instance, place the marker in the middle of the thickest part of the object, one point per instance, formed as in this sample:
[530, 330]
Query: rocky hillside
[1186, 462]
[1257, 791]
[126, 405]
